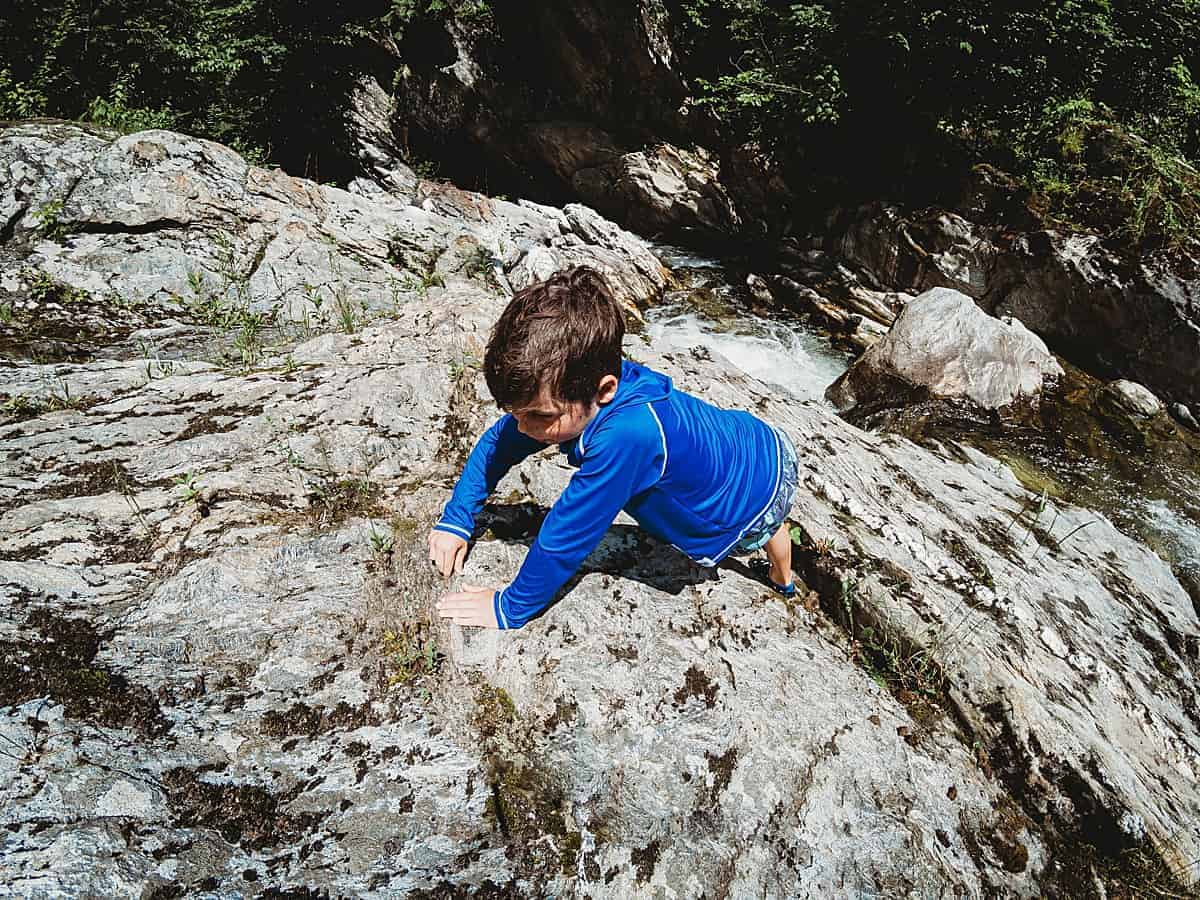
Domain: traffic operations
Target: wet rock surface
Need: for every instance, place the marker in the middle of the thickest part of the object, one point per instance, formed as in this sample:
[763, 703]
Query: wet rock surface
[222, 677]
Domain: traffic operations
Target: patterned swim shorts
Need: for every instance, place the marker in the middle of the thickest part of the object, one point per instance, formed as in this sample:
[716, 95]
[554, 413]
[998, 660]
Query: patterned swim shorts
[764, 527]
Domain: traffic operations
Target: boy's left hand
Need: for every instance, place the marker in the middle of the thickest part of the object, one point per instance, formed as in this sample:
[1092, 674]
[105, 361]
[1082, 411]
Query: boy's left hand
[472, 605]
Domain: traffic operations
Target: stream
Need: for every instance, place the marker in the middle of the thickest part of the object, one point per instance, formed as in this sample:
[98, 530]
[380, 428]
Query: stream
[1147, 482]
[714, 309]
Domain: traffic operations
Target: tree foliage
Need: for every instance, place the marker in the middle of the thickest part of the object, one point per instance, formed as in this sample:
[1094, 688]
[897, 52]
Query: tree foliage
[854, 94]
[269, 77]
[973, 65]
[866, 78]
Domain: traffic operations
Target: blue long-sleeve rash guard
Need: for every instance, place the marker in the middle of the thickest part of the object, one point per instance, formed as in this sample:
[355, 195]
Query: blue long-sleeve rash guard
[690, 473]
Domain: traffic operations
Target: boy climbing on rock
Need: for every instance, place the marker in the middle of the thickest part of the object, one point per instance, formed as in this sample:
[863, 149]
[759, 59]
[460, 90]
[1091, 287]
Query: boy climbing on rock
[707, 480]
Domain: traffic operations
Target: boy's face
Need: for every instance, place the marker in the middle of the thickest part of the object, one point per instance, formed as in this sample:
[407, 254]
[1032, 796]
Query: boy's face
[553, 421]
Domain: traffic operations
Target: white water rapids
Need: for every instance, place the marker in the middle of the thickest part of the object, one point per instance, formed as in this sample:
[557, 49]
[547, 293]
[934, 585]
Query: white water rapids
[776, 351]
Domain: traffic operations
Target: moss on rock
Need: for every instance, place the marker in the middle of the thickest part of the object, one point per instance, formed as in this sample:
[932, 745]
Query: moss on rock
[57, 660]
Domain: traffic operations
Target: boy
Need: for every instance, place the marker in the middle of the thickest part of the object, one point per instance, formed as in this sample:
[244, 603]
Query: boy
[707, 480]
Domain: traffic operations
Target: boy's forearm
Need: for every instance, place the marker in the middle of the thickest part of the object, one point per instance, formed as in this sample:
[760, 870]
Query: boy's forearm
[541, 576]
[498, 449]
[567, 536]
[613, 471]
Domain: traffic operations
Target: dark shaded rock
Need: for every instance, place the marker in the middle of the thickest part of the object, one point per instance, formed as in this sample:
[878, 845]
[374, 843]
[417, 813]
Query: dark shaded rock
[1184, 416]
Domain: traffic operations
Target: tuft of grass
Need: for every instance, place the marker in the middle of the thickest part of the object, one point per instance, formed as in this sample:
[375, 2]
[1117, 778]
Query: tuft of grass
[395, 293]
[425, 169]
[1137, 871]
[44, 289]
[225, 305]
[382, 542]
[50, 225]
[351, 316]
[334, 499]
[480, 264]
[18, 406]
[62, 398]
[155, 367]
[188, 489]
[901, 665]
[463, 364]
[248, 340]
[125, 489]
[413, 653]
[909, 673]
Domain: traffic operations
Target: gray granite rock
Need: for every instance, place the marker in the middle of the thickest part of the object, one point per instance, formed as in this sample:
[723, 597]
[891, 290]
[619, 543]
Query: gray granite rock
[1184, 416]
[218, 668]
[168, 224]
[1134, 398]
[663, 189]
[944, 346]
[1135, 318]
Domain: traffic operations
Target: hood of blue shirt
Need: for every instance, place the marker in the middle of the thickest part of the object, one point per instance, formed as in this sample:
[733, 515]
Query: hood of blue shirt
[637, 385]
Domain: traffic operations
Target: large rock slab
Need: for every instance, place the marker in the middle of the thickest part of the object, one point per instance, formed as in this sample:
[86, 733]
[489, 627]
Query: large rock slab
[944, 346]
[180, 226]
[219, 670]
[635, 720]
[1140, 321]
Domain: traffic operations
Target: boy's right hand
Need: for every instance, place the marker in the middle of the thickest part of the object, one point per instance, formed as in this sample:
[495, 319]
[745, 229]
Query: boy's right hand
[447, 552]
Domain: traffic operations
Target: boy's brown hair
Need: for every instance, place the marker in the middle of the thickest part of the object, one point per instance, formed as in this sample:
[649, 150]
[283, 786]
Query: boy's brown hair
[564, 333]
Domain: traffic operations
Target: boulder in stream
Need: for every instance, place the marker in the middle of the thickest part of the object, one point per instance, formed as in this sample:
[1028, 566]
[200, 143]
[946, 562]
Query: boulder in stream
[1136, 318]
[944, 346]
[1184, 416]
[1133, 398]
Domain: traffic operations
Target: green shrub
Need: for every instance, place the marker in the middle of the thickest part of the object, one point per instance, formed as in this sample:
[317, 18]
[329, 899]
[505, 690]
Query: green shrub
[1090, 172]
[272, 78]
[896, 95]
[18, 99]
[114, 111]
[783, 75]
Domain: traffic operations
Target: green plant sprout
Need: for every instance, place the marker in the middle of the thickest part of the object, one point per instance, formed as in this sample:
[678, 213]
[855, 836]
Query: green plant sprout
[189, 490]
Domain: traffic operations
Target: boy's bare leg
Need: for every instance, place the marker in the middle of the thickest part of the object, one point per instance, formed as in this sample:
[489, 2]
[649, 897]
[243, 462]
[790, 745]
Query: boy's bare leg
[779, 554]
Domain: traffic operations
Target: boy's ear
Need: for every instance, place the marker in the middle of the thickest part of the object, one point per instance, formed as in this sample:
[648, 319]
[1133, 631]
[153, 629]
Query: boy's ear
[607, 389]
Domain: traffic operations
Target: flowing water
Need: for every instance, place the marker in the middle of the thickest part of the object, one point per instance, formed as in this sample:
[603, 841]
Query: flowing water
[1146, 480]
[715, 310]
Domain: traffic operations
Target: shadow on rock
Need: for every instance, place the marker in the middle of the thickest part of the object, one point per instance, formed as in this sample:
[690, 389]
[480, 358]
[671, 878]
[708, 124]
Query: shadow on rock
[625, 551]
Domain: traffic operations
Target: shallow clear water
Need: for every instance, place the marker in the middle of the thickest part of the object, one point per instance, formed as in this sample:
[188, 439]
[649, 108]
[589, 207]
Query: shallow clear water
[1180, 534]
[1150, 491]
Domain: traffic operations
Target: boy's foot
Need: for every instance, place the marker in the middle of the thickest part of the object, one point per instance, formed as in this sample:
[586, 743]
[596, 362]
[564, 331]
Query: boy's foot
[762, 569]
